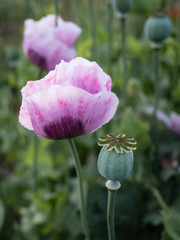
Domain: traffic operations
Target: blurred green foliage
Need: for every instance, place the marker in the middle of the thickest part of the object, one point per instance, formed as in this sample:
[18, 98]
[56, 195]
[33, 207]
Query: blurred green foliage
[148, 204]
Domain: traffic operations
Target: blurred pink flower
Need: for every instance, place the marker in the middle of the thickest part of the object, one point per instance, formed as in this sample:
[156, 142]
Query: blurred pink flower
[70, 101]
[46, 44]
[172, 121]
[160, 115]
[175, 122]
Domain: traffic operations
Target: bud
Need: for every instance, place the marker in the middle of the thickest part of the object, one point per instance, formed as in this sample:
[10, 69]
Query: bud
[158, 28]
[124, 6]
[115, 160]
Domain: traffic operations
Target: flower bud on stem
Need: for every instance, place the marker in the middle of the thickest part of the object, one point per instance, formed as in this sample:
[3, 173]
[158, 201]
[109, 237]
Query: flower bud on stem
[115, 162]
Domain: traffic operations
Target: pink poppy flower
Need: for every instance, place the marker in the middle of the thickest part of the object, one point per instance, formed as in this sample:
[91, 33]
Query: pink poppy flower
[172, 121]
[70, 101]
[46, 44]
[160, 115]
[175, 122]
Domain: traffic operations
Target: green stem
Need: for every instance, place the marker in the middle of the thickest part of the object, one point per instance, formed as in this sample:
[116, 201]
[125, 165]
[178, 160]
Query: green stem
[156, 102]
[29, 8]
[110, 214]
[41, 7]
[110, 35]
[81, 189]
[123, 36]
[56, 6]
[162, 6]
[69, 8]
[35, 161]
[92, 28]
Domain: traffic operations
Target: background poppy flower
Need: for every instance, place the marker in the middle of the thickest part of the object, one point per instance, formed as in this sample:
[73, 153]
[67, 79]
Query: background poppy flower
[46, 44]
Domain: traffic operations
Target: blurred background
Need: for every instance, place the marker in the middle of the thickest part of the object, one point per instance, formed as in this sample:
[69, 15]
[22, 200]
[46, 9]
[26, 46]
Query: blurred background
[148, 204]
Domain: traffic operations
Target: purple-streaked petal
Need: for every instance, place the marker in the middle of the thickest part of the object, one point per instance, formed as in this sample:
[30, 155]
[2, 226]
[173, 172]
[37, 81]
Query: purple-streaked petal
[83, 74]
[67, 111]
[31, 88]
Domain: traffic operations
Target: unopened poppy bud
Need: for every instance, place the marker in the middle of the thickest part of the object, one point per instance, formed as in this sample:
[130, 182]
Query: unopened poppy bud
[158, 28]
[115, 160]
[124, 6]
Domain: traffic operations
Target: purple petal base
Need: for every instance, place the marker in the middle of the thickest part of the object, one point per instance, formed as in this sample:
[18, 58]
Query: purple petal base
[66, 127]
[37, 59]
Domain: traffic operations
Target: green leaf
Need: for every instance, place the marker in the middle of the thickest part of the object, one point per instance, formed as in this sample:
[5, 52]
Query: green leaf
[171, 224]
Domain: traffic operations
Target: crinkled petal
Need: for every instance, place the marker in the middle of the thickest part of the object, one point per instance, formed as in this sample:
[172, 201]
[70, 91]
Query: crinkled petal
[39, 85]
[67, 32]
[31, 88]
[83, 74]
[24, 117]
[67, 111]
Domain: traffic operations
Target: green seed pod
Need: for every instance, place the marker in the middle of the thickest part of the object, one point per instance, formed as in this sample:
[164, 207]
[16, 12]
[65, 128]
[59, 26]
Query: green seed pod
[115, 166]
[115, 160]
[158, 28]
[124, 6]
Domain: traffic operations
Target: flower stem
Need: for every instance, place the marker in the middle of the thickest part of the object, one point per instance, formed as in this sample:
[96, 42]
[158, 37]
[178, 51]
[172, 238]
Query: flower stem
[56, 6]
[41, 7]
[35, 160]
[29, 8]
[156, 102]
[81, 189]
[110, 214]
[110, 35]
[123, 48]
[92, 28]
[69, 7]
